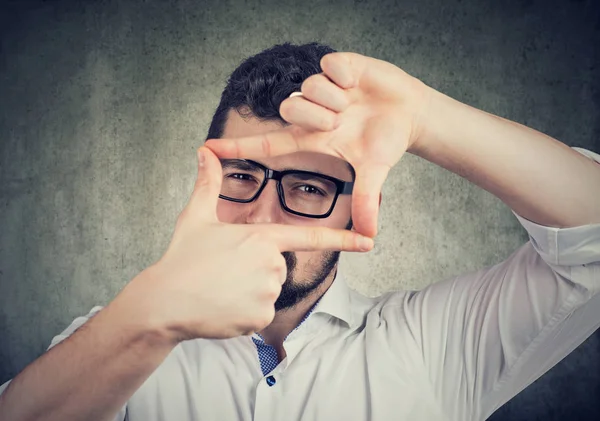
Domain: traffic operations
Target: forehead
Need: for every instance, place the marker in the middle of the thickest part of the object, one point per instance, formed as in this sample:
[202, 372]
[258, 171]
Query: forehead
[237, 126]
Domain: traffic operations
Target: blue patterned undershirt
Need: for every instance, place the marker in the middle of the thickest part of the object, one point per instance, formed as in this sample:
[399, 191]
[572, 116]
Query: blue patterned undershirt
[267, 354]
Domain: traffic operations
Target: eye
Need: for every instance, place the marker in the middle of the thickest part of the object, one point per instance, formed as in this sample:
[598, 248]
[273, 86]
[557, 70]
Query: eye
[240, 176]
[307, 188]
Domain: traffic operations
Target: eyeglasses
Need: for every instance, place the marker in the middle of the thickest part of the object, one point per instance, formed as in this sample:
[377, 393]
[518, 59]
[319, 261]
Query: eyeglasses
[303, 193]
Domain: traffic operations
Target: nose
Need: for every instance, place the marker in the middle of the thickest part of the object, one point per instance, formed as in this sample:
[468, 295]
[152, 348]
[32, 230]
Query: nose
[266, 208]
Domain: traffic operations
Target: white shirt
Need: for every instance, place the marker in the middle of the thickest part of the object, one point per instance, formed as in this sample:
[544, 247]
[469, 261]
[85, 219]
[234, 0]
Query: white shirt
[455, 350]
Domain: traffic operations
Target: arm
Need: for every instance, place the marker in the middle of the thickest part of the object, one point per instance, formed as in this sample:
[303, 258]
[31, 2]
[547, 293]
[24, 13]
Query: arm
[374, 112]
[482, 337]
[192, 291]
[540, 178]
[485, 336]
[92, 373]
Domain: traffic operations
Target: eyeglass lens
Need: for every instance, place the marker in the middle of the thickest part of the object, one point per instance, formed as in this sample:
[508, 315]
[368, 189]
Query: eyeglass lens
[304, 193]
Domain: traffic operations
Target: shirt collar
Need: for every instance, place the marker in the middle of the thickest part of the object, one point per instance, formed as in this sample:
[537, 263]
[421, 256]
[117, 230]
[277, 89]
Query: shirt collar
[336, 300]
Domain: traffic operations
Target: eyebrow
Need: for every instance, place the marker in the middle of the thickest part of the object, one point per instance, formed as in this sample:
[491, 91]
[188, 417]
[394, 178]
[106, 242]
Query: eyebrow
[319, 172]
[247, 166]
[239, 165]
[300, 169]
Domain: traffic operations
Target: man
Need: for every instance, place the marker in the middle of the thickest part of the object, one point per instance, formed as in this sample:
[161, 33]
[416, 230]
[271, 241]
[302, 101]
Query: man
[246, 317]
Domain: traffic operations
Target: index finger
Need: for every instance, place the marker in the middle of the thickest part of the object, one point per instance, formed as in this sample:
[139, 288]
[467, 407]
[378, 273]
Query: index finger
[302, 238]
[279, 142]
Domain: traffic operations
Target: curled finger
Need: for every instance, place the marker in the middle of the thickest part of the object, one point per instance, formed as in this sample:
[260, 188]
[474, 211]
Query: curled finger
[302, 112]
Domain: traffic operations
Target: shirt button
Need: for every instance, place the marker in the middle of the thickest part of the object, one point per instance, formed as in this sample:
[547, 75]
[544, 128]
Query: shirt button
[271, 380]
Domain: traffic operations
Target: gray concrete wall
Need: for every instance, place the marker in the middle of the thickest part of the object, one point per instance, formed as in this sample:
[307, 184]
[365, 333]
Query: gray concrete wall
[103, 103]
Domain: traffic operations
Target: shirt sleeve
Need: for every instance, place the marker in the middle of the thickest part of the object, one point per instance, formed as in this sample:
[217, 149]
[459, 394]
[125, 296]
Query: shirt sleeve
[76, 324]
[487, 335]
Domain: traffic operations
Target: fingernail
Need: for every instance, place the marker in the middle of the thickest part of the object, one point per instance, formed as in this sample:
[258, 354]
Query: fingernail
[365, 243]
[201, 157]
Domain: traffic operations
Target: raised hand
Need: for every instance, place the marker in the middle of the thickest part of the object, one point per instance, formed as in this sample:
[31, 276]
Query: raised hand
[360, 109]
[219, 280]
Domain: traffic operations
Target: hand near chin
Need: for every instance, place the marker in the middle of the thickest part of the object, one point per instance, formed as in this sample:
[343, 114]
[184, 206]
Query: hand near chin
[219, 280]
[360, 109]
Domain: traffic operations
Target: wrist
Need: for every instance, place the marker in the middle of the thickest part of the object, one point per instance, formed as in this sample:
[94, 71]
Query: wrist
[424, 96]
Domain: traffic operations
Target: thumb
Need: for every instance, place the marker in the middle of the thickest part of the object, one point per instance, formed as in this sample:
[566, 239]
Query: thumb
[208, 185]
[365, 197]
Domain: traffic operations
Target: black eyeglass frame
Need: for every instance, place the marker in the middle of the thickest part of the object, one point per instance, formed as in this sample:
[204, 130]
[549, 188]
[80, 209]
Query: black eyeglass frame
[342, 187]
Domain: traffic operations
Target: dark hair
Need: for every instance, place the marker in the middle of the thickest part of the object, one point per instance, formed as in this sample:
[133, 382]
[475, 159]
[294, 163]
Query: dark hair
[258, 86]
[261, 82]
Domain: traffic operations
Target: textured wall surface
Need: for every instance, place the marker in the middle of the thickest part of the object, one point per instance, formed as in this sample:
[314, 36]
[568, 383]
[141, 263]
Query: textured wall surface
[103, 103]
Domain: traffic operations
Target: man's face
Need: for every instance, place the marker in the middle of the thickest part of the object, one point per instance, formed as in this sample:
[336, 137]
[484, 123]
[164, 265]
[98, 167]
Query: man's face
[306, 270]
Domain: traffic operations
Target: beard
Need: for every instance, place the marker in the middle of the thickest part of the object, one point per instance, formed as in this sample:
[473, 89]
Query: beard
[294, 290]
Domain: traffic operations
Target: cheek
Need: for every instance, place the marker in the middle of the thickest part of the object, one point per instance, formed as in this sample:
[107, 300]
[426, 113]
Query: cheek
[342, 212]
[232, 213]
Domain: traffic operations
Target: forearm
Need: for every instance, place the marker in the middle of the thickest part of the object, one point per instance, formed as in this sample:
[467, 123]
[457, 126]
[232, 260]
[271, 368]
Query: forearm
[91, 374]
[537, 176]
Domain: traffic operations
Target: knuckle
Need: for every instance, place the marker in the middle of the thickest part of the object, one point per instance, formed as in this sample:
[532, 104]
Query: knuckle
[350, 241]
[310, 87]
[266, 317]
[315, 238]
[279, 260]
[278, 269]
[280, 273]
[328, 121]
[266, 145]
[273, 292]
